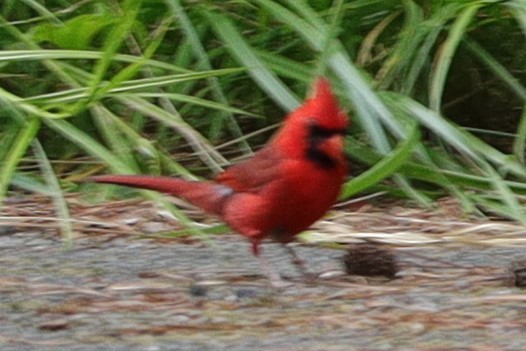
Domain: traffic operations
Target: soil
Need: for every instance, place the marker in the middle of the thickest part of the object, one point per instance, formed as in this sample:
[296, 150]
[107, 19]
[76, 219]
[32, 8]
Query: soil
[116, 290]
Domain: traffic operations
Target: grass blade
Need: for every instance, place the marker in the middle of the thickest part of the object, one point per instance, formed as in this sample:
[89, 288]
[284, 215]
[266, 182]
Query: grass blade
[387, 166]
[446, 53]
[17, 150]
[257, 69]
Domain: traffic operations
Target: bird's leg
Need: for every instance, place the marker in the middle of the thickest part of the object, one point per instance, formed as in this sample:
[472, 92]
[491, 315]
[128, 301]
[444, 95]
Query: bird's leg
[298, 262]
[272, 275]
[281, 235]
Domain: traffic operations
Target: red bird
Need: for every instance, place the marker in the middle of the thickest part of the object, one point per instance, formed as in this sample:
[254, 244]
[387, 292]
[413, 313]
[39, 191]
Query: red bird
[284, 188]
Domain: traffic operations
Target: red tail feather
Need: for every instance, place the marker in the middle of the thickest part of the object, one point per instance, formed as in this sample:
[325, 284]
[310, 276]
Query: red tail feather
[209, 196]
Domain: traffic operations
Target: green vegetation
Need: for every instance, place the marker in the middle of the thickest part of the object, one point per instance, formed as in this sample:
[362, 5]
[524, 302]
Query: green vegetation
[436, 91]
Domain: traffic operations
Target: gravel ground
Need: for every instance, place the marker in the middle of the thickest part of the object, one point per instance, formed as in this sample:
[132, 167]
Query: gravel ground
[132, 294]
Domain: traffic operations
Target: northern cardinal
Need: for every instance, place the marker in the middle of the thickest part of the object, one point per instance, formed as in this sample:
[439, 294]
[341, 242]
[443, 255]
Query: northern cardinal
[284, 188]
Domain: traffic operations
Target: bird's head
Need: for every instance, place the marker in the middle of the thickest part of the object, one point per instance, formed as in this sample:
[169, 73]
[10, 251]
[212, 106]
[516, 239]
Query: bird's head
[316, 128]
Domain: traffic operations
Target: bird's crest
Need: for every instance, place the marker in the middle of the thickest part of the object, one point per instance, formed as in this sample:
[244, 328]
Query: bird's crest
[323, 108]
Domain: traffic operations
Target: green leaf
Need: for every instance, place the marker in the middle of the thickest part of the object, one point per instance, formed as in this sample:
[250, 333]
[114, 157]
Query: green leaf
[76, 33]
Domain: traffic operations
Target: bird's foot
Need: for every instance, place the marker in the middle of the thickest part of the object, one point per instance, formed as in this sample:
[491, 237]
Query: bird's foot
[272, 275]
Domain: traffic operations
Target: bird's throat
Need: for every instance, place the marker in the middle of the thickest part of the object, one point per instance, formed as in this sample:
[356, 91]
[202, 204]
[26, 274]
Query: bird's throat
[321, 158]
[324, 147]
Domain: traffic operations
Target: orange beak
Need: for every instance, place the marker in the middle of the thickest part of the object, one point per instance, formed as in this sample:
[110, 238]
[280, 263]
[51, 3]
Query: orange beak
[333, 146]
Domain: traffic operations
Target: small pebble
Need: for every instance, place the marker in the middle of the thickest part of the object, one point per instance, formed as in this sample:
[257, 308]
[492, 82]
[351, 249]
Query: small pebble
[331, 274]
[54, 325]
[246, 293]
[198, 290]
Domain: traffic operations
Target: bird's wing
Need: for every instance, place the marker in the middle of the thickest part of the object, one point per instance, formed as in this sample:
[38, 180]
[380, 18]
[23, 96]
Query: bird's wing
[252, 175]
